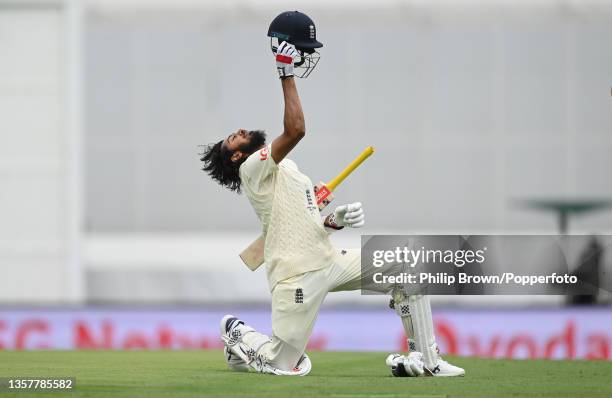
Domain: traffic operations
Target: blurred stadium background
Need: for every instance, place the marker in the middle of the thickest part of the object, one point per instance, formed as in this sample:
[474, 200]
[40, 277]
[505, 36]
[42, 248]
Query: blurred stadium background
[112, 237]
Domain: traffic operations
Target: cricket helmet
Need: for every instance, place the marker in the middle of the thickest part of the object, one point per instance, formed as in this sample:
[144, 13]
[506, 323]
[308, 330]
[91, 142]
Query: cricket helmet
[298, 29]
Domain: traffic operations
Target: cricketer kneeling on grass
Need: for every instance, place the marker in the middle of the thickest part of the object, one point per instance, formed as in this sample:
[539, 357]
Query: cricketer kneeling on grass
[302, 265]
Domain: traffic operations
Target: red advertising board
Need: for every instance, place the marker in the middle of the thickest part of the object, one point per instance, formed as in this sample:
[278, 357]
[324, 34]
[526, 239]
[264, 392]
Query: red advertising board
[551, 333]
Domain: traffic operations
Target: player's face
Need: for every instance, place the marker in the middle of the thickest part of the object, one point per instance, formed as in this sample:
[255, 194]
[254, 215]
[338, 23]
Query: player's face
[237, 140]
[242, 143]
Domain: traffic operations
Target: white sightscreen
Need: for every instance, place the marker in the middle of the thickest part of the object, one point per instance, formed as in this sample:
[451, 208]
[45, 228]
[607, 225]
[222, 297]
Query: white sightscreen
[39, 194]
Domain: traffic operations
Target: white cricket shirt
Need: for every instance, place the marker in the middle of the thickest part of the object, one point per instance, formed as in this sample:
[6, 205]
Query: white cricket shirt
[284, 200]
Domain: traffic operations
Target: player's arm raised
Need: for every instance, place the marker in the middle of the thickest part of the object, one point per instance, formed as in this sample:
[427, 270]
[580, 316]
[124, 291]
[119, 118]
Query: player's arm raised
[294, 127]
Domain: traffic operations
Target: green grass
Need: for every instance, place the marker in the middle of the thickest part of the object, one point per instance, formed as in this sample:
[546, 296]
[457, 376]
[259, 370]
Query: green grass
[203, 374]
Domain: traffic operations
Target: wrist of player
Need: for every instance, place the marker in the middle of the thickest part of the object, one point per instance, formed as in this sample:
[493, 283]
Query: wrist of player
[331, 223]
[284, 70]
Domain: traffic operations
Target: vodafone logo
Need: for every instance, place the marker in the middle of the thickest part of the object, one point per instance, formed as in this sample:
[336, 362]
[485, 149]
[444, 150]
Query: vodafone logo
[263, 153]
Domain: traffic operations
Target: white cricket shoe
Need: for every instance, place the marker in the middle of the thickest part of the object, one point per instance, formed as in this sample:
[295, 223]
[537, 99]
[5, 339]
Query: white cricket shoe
[445, 369]
[442, 368]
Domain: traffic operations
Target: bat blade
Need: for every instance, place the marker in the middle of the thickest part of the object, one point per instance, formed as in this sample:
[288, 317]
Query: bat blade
[253, 255]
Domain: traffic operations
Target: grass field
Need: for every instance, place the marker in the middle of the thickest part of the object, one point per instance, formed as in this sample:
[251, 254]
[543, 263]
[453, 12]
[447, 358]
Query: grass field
[202, 374]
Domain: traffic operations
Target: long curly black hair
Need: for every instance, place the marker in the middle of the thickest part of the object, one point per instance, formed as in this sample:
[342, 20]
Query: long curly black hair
[219, 165]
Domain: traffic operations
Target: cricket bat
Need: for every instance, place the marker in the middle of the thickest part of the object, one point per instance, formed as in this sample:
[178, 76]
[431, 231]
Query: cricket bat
[253, 256]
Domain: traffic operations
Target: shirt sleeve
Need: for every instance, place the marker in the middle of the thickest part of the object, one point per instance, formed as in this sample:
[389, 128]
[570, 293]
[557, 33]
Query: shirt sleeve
[259, 166]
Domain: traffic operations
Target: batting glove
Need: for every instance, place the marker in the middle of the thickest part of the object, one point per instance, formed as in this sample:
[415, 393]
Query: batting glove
[410, 365]
[285, 57]
[350, 215]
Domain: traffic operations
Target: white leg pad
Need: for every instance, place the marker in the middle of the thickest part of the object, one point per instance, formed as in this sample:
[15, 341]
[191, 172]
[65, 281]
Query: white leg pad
[401, 304]
[246, 343]
[252, 347]
[422, 323]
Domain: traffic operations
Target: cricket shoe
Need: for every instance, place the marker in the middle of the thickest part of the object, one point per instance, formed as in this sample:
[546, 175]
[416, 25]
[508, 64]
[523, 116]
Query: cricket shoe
[443, 368]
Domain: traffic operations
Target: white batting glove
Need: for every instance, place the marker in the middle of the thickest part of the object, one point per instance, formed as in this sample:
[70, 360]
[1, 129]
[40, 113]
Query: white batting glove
[285, 57]
[350, 215]
[410, 365]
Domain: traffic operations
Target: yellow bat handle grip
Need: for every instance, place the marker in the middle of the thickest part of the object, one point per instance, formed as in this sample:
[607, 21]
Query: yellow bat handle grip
[350, 168]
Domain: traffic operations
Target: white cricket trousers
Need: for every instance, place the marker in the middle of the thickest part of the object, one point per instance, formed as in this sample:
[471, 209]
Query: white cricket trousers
[296, 302]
